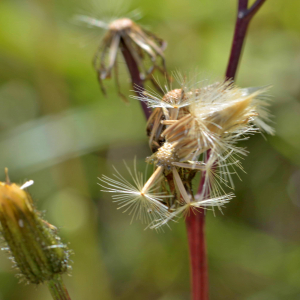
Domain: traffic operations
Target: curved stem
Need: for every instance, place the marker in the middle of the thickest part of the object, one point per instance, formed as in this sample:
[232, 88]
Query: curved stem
[57, 289]
[137, 82]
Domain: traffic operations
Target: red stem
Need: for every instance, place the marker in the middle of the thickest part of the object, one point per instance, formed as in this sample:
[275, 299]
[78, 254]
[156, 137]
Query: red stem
[137, 82]
[195, 221]
[195, 225]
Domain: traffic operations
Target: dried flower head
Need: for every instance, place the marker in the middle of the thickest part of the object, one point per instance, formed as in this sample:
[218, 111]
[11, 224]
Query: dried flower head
[196, 129]
[135, 44]
[33, 244]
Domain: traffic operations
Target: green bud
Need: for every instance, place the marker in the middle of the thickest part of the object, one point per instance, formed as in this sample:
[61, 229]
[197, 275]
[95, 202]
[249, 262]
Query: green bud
[33, 244]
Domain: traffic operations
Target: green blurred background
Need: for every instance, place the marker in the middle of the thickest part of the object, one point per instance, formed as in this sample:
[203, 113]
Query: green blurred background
[59, 130]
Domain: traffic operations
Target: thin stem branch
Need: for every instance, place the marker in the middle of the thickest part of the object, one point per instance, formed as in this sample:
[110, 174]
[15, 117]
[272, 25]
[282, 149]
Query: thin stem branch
[254, 8]
[57, 289]
[137, 82]
[244, 16]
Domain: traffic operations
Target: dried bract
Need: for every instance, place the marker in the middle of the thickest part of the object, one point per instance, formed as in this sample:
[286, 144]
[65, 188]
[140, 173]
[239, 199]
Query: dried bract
[133, 41]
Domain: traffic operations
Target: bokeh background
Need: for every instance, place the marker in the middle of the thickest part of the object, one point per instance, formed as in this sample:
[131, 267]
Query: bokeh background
[59, 130]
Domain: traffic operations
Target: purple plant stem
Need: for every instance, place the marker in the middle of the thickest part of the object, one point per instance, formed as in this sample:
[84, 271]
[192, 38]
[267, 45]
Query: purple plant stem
[195, 221]
[137, 82]
[243, 19]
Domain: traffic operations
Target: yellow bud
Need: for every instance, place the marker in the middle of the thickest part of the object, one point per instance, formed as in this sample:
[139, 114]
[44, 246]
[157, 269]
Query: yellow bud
[33, 243]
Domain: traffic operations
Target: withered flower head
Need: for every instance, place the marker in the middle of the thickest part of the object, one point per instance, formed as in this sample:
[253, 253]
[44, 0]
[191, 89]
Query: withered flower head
[195, 129]
[33, 244]
[135, 43]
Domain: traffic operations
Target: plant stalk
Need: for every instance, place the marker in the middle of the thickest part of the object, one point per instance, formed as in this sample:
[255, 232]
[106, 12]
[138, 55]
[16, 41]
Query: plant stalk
[137, 82]
[195, 221]
[244, 16]
[57, 289]
[195, 224]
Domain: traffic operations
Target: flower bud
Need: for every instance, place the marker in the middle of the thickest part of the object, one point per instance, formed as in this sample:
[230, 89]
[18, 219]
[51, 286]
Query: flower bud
[33, 244]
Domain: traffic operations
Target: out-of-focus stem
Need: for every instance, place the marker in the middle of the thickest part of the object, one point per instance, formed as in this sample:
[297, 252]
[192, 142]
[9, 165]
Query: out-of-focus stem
[57, 289]
[137, 82]
[244, 16]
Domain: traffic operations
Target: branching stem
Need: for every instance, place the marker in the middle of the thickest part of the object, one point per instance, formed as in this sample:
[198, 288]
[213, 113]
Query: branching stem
[244, 16]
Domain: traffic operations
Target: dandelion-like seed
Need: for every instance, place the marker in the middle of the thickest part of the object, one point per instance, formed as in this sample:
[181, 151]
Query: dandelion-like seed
[192, 208]
[135, 44]
[145, 203]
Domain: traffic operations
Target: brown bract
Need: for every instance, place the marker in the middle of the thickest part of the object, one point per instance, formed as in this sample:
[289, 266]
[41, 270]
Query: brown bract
[190, 122]
[140, 43]
[160, 117]
[193, 130]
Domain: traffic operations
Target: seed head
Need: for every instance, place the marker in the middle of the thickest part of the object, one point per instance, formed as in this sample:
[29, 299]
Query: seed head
[196, 129]
[166, 155]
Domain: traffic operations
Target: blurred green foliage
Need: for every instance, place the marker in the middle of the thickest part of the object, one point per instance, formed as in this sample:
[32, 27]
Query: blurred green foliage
[59, 130]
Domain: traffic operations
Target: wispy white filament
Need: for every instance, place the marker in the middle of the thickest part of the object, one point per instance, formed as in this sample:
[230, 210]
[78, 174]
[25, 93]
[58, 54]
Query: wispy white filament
[145, 207]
